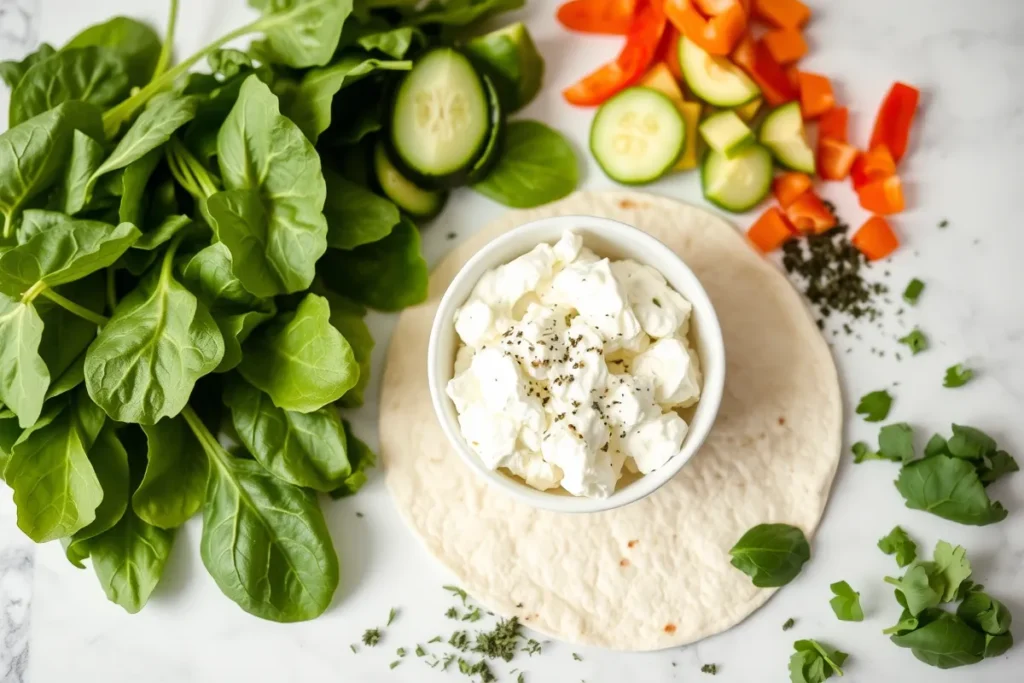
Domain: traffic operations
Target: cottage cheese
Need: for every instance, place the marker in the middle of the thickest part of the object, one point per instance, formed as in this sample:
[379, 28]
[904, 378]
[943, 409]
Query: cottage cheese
[572, 367]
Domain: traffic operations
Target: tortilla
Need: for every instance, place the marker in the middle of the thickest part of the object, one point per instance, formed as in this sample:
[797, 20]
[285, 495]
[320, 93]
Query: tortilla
[654, 574]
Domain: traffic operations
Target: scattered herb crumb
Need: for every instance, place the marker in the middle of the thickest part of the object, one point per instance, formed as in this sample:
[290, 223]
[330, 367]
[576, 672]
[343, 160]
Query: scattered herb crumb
[420, 652]
[459, 640]
[710, 669]
[400, 652]
[913, 291]
[532, 647]
[957, 376]
[451, 235]
[577, 657]
[943, 223]
[391, 616]
[448, 659]
[788, 624]
[500, 642]
[452, 613]
[353, 648]
[359, 515]
[916, 341]
[875, 406]
[455, 590]
[393, 664]
[435, 639]
[473, 616]
[519, 678]
[371, 637]
[478, 669]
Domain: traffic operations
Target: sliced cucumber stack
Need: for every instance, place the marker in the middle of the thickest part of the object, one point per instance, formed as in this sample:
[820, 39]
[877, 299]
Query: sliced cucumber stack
[715, 80]
[739, 183]
[726, 133]
[415, 201]
[783, 133]
[441, 119]
[637, 135]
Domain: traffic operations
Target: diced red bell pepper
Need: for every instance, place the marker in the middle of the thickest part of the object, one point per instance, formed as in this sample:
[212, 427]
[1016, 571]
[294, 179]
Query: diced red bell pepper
[895, 118]
[833, 123]
[598, 16]
[716, 35]
[782, 13]
[808, 214]
[668, 51]
[787, 45]
[884, 197]
[816, 96]
[835, 158]
[787, 187]
[875, 164]
[755, 58]
[771, 230]
[875, 239]
[631, 64]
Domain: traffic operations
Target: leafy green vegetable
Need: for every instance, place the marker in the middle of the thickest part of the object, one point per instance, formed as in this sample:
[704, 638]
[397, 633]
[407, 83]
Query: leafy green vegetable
[846, 603]
[952, 567]
[360, 458]
[985, 613]
[916, 341]
[86, 156]
[387, 275]
[536, 166]
[135, 43]
[355, 215]
[875, 406]
[110, 463]
[896, 442]
[174, 484]
[12, 71]
[88, 74]
[395, 42]
[862, 452]
[24, 376]
[814, 663]
[510, 58]
[969, 443]
[996, 466]
[771, 554]
[950, 488]
[957, 376]
[459, 12]
[943, 640]
[299, 33]
[348, 318]
[898, 543]
[913, 291]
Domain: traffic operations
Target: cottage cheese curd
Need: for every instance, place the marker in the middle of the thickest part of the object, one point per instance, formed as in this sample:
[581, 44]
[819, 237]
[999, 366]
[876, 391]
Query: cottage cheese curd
[572, 367]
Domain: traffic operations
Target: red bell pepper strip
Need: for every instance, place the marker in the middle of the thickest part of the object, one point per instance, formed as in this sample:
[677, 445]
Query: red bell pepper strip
[875, 164]
[668, 51]
[598, 16]
[755, 58]
[771, 230]
[808, 214]
[833, 123]
[883, 196]
[816, 96]
[895, 117]
[787, 187]
[875, 239]
[631, 64]
[787, 45]
[716, 35]
[835, 158]
[782, 13]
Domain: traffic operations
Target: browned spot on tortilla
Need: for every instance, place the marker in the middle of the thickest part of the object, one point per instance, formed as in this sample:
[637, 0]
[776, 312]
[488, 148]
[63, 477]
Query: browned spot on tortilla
[632, 543]
[623, 562]
[630, 204]
[782, 420]
[670, 628]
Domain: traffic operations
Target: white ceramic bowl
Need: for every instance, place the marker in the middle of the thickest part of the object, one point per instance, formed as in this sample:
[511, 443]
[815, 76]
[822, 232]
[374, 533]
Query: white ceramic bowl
[607, 238]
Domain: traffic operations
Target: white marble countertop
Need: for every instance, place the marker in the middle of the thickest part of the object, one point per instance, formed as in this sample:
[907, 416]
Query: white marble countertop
[55, 623]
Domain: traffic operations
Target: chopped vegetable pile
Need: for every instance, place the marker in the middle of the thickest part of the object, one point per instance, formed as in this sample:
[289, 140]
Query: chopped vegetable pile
[186, 259]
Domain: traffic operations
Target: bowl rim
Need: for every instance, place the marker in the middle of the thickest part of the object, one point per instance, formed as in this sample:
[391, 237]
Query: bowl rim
[709, 333]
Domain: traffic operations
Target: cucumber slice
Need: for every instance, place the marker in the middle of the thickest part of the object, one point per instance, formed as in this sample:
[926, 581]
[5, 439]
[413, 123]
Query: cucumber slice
[737, 184]
[414, 200]
[637, 135]
[440, 119]
[783, 133]
[510, 58]
[715, 80]
[492, 150]
[726, 133]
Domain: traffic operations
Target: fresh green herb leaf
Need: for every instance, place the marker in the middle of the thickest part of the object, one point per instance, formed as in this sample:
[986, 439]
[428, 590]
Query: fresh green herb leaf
[916, 341]
[951, 566]
[452, 613]
[846, 603]
[943, 640]
[936, 446]
[814, 662]
[913, 291]
[459, 640]
[788, 624]
[862, 452]
[420, 652]
[177, 471]
[500, 642]
[898, 543]
[12, 71]
[391, 616]
[896, 442]
[577, 657]
[473, 615]
[532, 647]
[458, 592]
[970, 443]
[371, 637]
[400, 652]
[393, 664]
[996, 466]
[771, 554]
[875, 406]
[957, 376]
[950, 488]
[537, 166]
[709, 669]
[435, 639]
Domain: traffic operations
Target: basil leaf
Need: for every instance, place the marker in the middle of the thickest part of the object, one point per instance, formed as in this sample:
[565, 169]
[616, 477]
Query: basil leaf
[875, 406]
[898, 543]
[12, 71]
[135, 43]
[957, 376]
[536, 166]
[361, 458]
[948, 487]
[896, 442]
[846, 604]
[771, 554]
[945, 641]
[88, 74]
[24, 376]
[299, 33]
[271, 216]
[110, 463]
[304, 449]
[970, 443]
[348, 318]
[53, 457]
[355, 215]
[300, 360]
[146, 360]
[936, 446]
[996, 466]
[177, 471]
[388, 275]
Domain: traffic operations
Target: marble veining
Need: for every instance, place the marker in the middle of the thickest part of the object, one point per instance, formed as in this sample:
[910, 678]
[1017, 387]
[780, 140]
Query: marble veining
[16, 568]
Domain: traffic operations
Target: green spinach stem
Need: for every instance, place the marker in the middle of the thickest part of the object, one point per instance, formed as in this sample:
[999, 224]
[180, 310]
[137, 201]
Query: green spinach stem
[8, 224]
[206, 439]
[168, 47]
[80, 311]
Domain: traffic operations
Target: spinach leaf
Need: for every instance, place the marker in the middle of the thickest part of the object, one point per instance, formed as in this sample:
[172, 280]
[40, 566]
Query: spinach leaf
[86, 156]
[387, 275]
[875, 406]
[395, 42]
[536, 166]
[459, 12]
[846, 603]
[984, 613]
[177, 472]
[23, 373]
[950, 488]
[134, 43]
[110, 463]
[304, 449]
[360, 458]
[271, 216]
[35, 221]
[66, 252]
[88, 74]
[771, 554]
[309, 104]
[12, 71]
[300, 359]
[943, 640]
[66, 335]
[264, 542]
[348, 318]
[355, 215]
[228, 63]
[896, 442]
[299, 33]
[10, 432]
[55, 488]
[814, 662]
[33, 154]
[146, 360]
[898, 543]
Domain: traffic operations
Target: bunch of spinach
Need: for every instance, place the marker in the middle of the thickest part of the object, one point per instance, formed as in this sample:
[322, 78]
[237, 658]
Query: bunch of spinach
[174, 277]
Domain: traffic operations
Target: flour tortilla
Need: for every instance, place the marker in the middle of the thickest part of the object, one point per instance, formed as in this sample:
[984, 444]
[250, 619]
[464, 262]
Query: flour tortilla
[655, 574]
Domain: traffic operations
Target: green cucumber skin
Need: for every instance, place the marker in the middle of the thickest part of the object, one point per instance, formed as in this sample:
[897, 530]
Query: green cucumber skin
[494, 146]
[767, 122]
[703, 183]
[702, 93]
[418, 211]
[640, 181]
